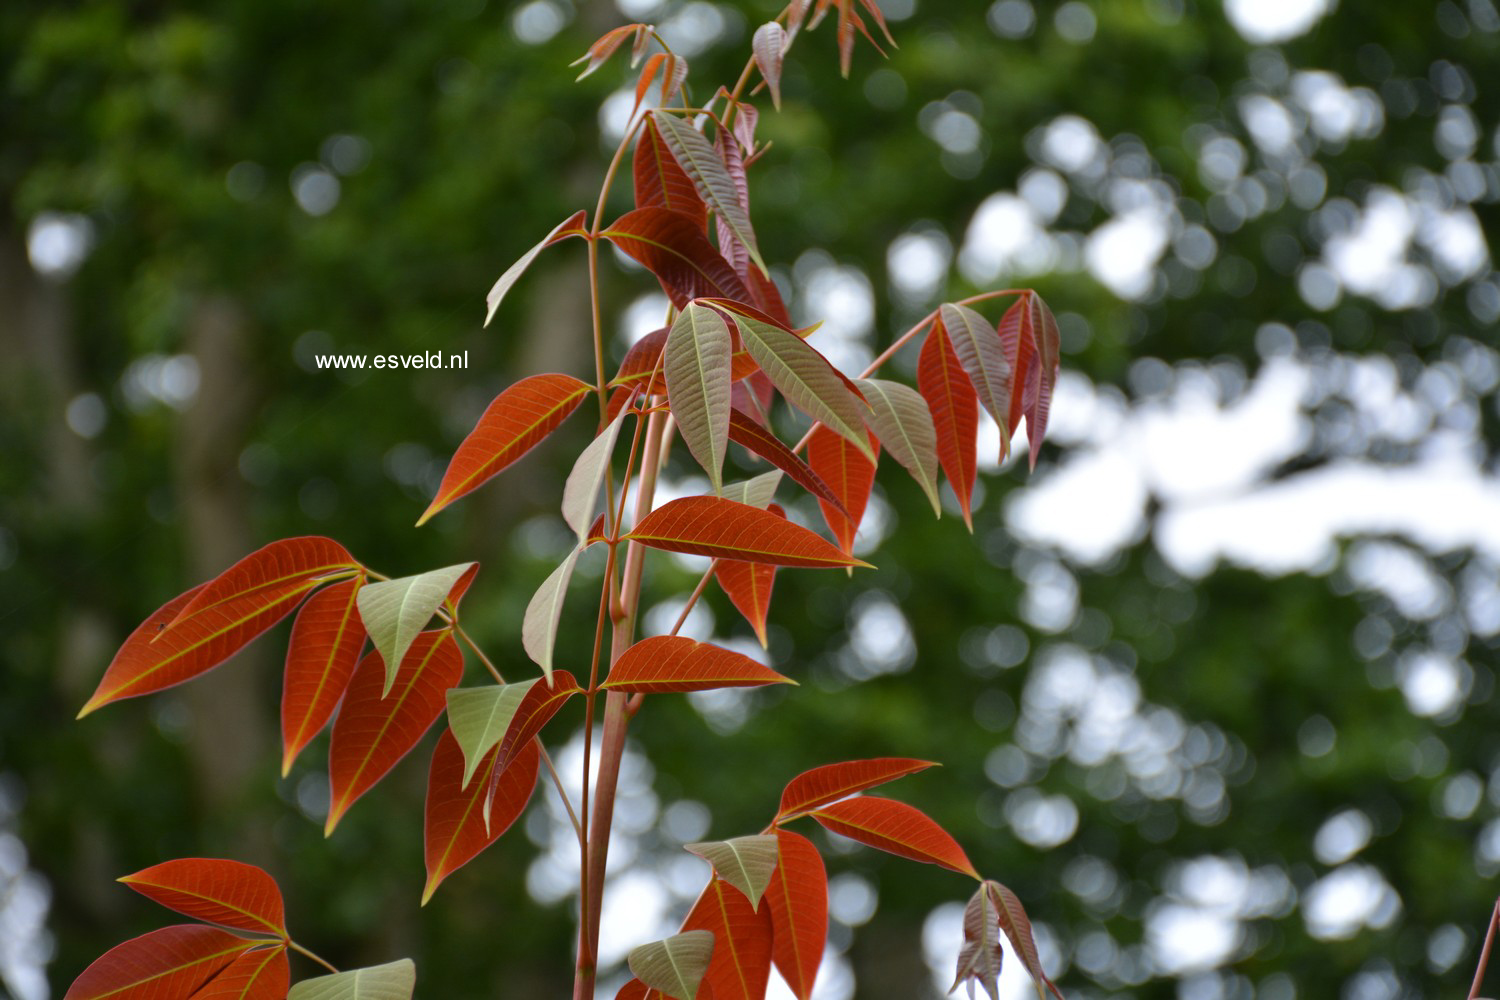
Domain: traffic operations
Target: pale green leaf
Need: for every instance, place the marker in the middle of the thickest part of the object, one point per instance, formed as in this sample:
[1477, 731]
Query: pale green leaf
[755, 492]
[982, 355]
[544, 614]
[479, 718]
[514, 272]
[903, 423]
[744, 862]
[394, 981]
[581, 491]
[698, 159]
[394, 611]
[697, 362]
[674, 965]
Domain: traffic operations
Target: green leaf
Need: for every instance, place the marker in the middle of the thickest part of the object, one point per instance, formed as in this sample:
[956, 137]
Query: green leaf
[571, 226]
[544, 613]
[581, 492]
[696, 156]
[394, 981]
[394, 611]
[744, 862]
[756, 492]
[982, 354]
[698, 363]
[479, 718]
[900, 418]
[674, 965]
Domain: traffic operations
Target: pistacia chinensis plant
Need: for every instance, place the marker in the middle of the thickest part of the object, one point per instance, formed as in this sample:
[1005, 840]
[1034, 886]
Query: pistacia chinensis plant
[727, 367]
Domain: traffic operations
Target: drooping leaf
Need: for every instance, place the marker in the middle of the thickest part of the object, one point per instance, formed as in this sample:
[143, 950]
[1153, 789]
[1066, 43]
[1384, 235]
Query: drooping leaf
[326, 641]
[479, 717]
[374, 731]
[573, 225]
[674, 965]
[696, 156]
[744, 862]
[671, 246]
[896, 828]
[269, 575]
[262, 974]
[581, 491]
[749, 434]
[831, 782]
[955, 414]
[745, 120]
[674, 75]
[697, 362]
[643, 84]
[727, 149]
[851, 476]
[1017, 926]
[394, 981]
[713, 526]
[798, 898]
[982, 355]
[159, 965]
[229, 893]
[980, 958]
[538, 705]
[741, 963]
[900, 418]
[394, 612]
[660, 182]
[606, 45]
[769, 46]
[756, 491]
[663, 663]
[454, 828]
[1030, 335]
[544, 613]
[516, 421]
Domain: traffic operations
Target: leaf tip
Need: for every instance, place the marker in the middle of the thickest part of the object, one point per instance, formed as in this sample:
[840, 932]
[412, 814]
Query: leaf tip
[428, 890]
[859, 564]
[88, 709]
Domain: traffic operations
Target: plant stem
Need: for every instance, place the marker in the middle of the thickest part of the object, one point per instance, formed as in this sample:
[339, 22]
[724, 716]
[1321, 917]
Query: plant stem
[303, 951]
[1484, 953]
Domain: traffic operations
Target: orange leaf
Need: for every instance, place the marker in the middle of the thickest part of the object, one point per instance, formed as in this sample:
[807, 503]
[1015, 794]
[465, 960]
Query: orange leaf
[262, 974]
[642, 365]
[713, 526]
[798, 895]
[666, 663]
[744, 431]
[637, 990]
[850, 475]
[748, 586]
[659, 181]
[896, 828]
[955, 413]
[831, 782]
[268, 574]
[162, 965]
[741, 963]
[672, 247]
[454, 826]
[537, 708]
[516, 421]
[326, 639]
[373, 733]
[229, 893]
[982, 354]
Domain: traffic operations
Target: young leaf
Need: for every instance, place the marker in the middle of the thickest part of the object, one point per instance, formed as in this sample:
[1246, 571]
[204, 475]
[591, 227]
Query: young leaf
[229, 893]
[326, 640]
[697, 361]
[1029, 333]
[664, 663]
[674, 965]
[571, 226]
[544, 613]
[980, 958]
[454, 829]
[170, 962]
[606, 45]
[643, 85]
[262, 974]
[900, 418]
[479, 717]
[831, 782]
[851, 476]
[698, 160]
[660, 182]
[756, 491]
[1017, 926]
[538, 705]
[744, 862]
[394, 981]
[741, 964]
[274, 573]
[713, 526]
[516, 421]
[727, 149]
[769, 45]
[581, 491]
[395, 611]
[672, 247]
[673, 77]
[373, 732]
[982, 355]
[748, 586]
[896, 828]
[955, 413]
[747, 433]
[798, 896]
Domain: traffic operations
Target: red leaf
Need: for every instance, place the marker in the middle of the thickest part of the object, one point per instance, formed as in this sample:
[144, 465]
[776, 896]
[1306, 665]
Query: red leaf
[733, 159]
[849, 474]
[537, 708]
[741, 963]
[1029, 333]
[897, 828]
[955, 413]
[643, 85]
[1017, 927]
[660, 182]
[798, 895]
[262, 974]
[229, 893]
[454, 827]
[164, 964]
[675, 663]
[326, 639]
[642, 365]
[637, 990]
[744, 431]
[713, 526]
[754, 396]
[672, 247]
[983, 357]
[611, 40]
[515, 422]
[831, 782]
[373, 733]
[269, 573]
[748, 586]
